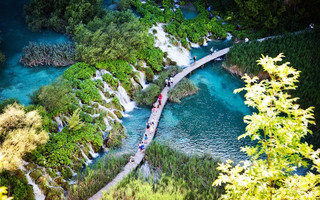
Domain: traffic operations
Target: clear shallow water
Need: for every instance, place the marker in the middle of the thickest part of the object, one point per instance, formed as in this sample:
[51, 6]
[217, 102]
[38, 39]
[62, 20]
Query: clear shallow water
[17, 81]
[189, 11]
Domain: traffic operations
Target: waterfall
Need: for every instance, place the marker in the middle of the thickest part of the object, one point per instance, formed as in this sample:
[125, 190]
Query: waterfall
[88, 161]
[104, 97]
[124, 99]
[91, 151]
[142, 80]
[59, 123]
[36, 190]
[178, 53]
[229, 37]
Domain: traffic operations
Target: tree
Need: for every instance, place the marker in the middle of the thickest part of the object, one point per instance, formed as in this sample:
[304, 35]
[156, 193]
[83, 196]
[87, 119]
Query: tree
[278, 127]
[260, 14]
[20, 132]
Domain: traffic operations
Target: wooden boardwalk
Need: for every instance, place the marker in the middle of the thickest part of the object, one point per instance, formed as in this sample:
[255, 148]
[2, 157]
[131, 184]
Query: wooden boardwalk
[155, 116]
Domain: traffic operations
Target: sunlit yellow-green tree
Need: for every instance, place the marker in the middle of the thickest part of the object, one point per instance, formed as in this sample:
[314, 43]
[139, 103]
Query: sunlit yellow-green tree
[278, 127]
[20, 132]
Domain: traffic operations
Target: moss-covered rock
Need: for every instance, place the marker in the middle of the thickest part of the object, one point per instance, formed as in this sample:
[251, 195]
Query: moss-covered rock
[35, 174]
[43, 184]
[118, 114]
[55, 193]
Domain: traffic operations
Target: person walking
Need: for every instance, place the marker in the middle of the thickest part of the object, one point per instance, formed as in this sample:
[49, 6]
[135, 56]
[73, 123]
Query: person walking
[148, 126]
[194, 58]
[211, 50]
[166, 82]
[171, 81]
[145, 138]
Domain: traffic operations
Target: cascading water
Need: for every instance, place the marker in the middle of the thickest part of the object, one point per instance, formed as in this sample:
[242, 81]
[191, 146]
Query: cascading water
[91, 151]
[178, 53]
[124, 99]
[88, 161]
[59, 123]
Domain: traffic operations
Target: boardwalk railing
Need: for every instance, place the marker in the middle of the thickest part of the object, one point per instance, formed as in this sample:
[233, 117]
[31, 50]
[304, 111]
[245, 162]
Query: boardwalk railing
[155, 117]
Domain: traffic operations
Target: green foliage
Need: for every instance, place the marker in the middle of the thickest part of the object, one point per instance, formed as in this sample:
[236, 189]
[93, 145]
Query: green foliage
[124, 5]
[183, 89]
[150, 94]
[17, 185]
[149, 74]
[56, 97]
[61, 16]
[166, 188]
[302, 52]
[116, 134]
[118, 68]
[117, 35]
[79, 71]
[74, 121]
[197, 172]
[63, 149]
[178, 26]
[113, 82]
[96, 176]
[147, 96]
[278, 127]
[88, 91]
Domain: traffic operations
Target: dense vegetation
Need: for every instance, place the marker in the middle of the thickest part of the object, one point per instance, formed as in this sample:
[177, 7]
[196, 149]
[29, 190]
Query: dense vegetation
[189, 176]
[61, 16]
[96, 176]
[278, 127]
[302, 52]
[183, 89]
[182, 29]
[17, 185]
[139, 189]
[48, 54]
[150, 94]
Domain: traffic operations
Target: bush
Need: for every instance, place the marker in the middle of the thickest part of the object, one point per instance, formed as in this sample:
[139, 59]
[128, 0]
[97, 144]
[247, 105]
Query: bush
[183, 89]
[17, 185]
[149, 74]
[96, 176]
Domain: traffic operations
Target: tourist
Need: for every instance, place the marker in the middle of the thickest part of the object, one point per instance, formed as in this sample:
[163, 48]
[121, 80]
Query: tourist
[166, 83]
[194, 58]
[159, 103]
[160, 96]
[132, 157]
[141, 147]
[169, 84]
[171, 81]
[211, 50]
[148, 126]
[145, 138]
[154, 109]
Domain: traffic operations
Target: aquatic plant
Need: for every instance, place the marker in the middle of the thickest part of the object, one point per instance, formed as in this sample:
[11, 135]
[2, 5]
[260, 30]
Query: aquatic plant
[183, 89]
[96, 176]
[166, 188]
[279, 126]
[197, 172]
[57, 55]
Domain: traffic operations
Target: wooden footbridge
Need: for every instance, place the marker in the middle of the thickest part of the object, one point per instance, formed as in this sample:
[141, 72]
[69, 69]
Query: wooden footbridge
[155, 117]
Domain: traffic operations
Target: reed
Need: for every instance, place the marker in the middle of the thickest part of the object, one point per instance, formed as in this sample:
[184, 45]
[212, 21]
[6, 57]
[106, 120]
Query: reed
[57, 55]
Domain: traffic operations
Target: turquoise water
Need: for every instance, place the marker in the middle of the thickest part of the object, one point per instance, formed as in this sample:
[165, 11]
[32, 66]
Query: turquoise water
[189, 11]
[208, 122]
[17, 81]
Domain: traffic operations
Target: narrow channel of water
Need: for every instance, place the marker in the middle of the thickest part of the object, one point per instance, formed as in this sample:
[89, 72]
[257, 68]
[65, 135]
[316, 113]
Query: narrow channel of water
[17, 81]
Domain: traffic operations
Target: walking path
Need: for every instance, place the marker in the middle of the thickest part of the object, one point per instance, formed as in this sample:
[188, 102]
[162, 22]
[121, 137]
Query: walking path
[155, 116]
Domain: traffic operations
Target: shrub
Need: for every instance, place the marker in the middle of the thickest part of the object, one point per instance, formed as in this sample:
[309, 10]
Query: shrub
[183, 89]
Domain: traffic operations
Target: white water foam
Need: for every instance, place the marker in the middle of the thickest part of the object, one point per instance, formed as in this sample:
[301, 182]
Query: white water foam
[91, 151]
[178, 53]
[36, 190]
[88, 161]
[59, 123]
[125, 99]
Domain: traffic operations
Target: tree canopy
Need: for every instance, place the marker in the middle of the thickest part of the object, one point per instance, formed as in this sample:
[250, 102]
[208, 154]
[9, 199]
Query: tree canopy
[278, 127]
[20, 132]
[117, 35]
